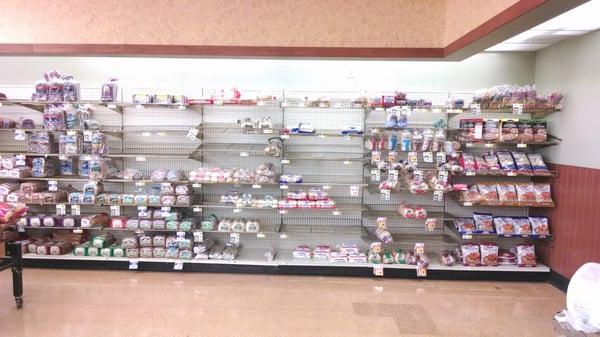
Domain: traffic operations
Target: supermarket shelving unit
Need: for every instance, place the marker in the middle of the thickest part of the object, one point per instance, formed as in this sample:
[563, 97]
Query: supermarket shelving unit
[148, 137]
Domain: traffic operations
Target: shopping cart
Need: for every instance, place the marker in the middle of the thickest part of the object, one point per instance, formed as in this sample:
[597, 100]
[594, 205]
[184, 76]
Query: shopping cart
[14, 261]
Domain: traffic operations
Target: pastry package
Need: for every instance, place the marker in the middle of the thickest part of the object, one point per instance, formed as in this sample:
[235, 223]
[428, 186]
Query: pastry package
[522, 225]
[159, 241]
[510, 131]
[506, 160]
[504, 225]
[132, 252]
[542, 193]
[467, 161]
[159, 175]
[145, 224]
[526, 255]
[357, 258]
[522, 163]
[465, 225]
[472, 194]
[175, 175]
[348, 248]
[470, 254]
[537, 164]
[158, 252]
[525, 192]
[129, 242]
[470, 130]
[321, 252]
[539, 225]
[491, 130]
[302, 252]
[145, 241]
[484, 222]
[492, 162]
[97, 220]
[525, 132]
[506, 192]
[488, 191]
[539, 131]
[506, 258]
[145, 252]
[489, 254]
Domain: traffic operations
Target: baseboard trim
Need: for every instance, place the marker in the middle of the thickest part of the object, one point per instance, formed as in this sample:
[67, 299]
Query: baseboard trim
[558, 281]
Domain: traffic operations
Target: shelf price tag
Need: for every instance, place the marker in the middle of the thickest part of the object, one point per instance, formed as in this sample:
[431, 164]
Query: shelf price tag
[438, 196]
[385, 194]
[20, 135]
[393, 175]
[440, 157]
[111, 106]
[418, 176]
[284, 136]
[180, 234]
[75, 210]
[283, 211]
[521, 146]
[375, 175]
[142, 208]
[140, 158]
[234, 238]
[77, 231]
[489, 145]
[63, 157]
[133, 264]
[443, 176]
[140, 183]
[256, 186]
[430, 224]
[20, 228]
[197, 185]
[197, 209]
[517, 109]
[375, 157]
[326, 187]
[511, 173]
[382, 222]
[260, 235]
[421, 272]
[336, 213]
[354, 190]
[476, 108]
[284, 187]
[378, 270]
[244, 154]
[178, 265]
[467, 236]
[428, 157]
[419, 248]
[20, 160]
[467, 204]
[198, 236]
[165, 208]
[61, 209]
[413, 159]
[115, 210]
[237, 210]
[52, 185]
[469, 173]
[285, 161]
[283, 235]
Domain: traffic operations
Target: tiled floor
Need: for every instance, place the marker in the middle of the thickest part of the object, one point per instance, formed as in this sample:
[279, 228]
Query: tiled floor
[99, 303]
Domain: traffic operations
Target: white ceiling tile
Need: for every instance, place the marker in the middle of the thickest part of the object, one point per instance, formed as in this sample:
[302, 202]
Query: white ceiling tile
[518, 46]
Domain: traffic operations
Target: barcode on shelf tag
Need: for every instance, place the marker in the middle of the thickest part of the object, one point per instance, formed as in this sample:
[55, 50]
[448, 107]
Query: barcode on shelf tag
[467, 236]
[285, 161]
[244, 154]
[476, 108]
[260, 235]
[234, 238]
[140, 183]
[133, 264]
[75, 210]
[521, 145]
[78, 231]
[428, 157]
[61, 209]
[440, 157]
[178, 265]
[63, 157]
[326, 187]
[421, 272]
[336, 213]
[385, 194]
[256, 186]
[420, 248]
[115, 210]
[283, 211]
[382, 222]
[375, 175]
[284, 136]
[378, 270]
[198, 236]
[438, 196]
[52, 185]
[142, 208]
[197, 209]
[20, 135]
[139, 158]
[166, 208]
[431, 223]
[517, 108]
[237, 210]
[354, 190]
[413, 159]
[284, 187]
[489, 145]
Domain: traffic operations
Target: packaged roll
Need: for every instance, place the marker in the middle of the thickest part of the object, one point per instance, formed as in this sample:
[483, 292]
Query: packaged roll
[539, 225]
[118, 252]
[184, 243]
[387, 258]
[172, 225]
[69, 143]
[187, 224]
[252, 226]
[145, 224]
[93, 251]
[471, 256]
[81, 250]
[146, 252]
[35, 220]
[158, 252]
[129, 242]
[224, 225]
[132, 252]
[167, 188]
[106, 252]
[238, 225]
[118, 222]
[99, 143]
[420, 213]
[145, 241]
[210, 224]
[101, 241]
[168, 200]
[159, 224]
[522, 225]
[185, 254]
[159, 241]
[69, 221]
[97, 220]
[50, 221]
[127, 199]
[159, 175]
[140, 199]
[374, 257]
[348, 248]
[526, 255]
[131, 174]
[171, 242]
[171, 253]
[489, 254]
[154, 199]
[132, 224]
[504, 225]
[32, 186]
[204, 246]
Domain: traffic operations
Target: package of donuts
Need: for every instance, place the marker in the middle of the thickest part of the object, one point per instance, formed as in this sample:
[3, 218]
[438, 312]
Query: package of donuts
[470, 254]
[539, 225]
[526, 255]
[489, 254]
[506, 192]
[472, 194]
[484, 222]
[542, 193]
[504, 225]
[488, 191]
[525, 131]
[492, 161]
[522, 162]
[522, 225]
[539, 131]
[510, 131]
[465, 225]
[525, 192]
[537, 164]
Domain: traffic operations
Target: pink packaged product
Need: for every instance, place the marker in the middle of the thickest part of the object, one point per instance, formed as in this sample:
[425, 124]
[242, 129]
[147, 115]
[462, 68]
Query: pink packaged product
[302, 252]
[470, 254]
[504, 225]
[526, 255]
[167, 200]
[506, 258]
[406, 211]
[468, 163]
[348, 248]
[484, 222]
[492, 161]
[488, 191]
[336, 257]
[522, 225]
[159, 175]
[539, 225]
[506, 192]
[54, 118]
[471, 195]
[297, 195]
[489, 254]
[465, 225]
[542, 193]
[525, 192]
[118, 222]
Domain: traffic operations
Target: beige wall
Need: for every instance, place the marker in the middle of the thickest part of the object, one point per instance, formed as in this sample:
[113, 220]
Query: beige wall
[572, 67]
[462, 16]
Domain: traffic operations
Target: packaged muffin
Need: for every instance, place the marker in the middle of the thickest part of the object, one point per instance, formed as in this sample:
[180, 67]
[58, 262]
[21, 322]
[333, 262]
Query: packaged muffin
[525, 192]
[506, 192]
[504, 225]
[522, 225]
[539, 225]
[542, 193]
[526, 255]
[465, 225]
[489, 254]
[470, 253]
[488, 191]
[484, 222]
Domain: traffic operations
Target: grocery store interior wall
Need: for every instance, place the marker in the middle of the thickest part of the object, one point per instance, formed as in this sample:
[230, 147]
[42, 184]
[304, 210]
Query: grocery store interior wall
[187, 74]
[572, 67]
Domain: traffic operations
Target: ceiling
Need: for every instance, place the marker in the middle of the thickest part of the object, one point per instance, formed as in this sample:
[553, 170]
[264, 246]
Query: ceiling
[578, 21]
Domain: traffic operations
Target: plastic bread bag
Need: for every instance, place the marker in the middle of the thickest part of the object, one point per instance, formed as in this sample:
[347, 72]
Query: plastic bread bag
[542, 193]
[506, 192]
[131, 174]
[172, 225]
[69, 143]
[467, 161]
[167, 200]
[185, 254]
[184, 243]
[145, 252]
[183, 189]
[489, 254]
[172, 253]
[504, 225]
[224, 225]
[526, 255]
[374, 257]
[411, 257]
[383, 235]
[94, 251]
[522, 162]
[420, 213]
[99, 143]
[204, 246]
[145, 241]
[154, 199]
[140, 199]
[387, 258]
[159, 175]
[158, 252]
[492, 161]
[484, 222]
[216, 252]
[525, 192]
[539, 225]
[176, 175]
[167, 188]
[465, 225]
[537, 163]
[488, 191]
[129, 242]
[472, 194]
[230, 252]
[406, 210]
[471, 255]
[132, 252]
[447, 259]
[145, 224]
[109, 91]
[539, 131]
[171, 242]
[159, 224]
[54, 118]
[522, 225]
[183, 200]
[506, 161]
[159, 241]
[81, 250]
[252, 226]
[69, 221]
[210, 223]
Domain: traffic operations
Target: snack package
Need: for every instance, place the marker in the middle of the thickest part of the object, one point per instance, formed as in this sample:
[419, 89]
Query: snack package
[470, 253]
[348, 248]
[539, 131]
[506, 192]
[465, 225]
[522, 162]
[470, 130]
[526, 255]
[492, 162]
[542, 193]
[491, 130]
[467, 161]
[302, 252]
[506, 160]
[525, 192]
[522, 225]
[484, 222]
[510, 131]
[537, 163]
[472, 194]
[489, 254]
[488, 191]
[539, 225]
[504, 225]
[525, 131]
